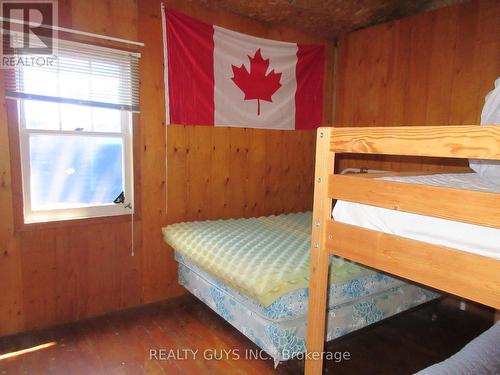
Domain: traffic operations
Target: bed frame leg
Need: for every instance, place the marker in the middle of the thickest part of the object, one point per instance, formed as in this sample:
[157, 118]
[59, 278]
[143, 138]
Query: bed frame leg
[316, 319]
[497, 316]
[318, 280]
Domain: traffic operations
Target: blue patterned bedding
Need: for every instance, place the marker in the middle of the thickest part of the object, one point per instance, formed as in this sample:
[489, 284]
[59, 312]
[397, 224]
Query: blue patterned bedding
[282, 334]
[294, 304]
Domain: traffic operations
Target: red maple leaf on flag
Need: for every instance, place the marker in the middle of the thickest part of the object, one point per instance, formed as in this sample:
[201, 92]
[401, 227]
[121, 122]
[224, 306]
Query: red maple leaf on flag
[256, 84]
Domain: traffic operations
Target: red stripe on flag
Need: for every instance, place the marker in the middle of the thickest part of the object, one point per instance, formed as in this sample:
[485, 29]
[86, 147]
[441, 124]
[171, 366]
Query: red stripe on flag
[190, 46]
[309, 94]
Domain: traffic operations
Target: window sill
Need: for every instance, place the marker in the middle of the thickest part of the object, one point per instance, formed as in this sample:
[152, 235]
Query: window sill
[27, 227]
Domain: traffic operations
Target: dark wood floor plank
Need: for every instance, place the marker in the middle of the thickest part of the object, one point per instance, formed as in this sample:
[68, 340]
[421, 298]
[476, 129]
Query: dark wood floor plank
[121, 343]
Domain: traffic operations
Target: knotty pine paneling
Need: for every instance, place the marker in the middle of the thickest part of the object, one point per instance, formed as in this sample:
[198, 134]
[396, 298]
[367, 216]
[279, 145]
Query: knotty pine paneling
[222, 173]
[430, 69]
[58, 273]
[159, 277]
[11, 309]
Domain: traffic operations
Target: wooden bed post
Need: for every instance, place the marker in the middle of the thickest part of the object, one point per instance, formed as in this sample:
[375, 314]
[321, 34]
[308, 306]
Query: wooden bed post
[318, 282]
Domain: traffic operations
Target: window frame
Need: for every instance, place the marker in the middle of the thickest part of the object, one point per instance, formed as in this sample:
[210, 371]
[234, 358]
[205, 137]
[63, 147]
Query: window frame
[90, 211]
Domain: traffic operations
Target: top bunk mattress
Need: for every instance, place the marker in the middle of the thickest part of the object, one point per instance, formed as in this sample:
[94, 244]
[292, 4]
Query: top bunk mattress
[472, 238]
[263, 258]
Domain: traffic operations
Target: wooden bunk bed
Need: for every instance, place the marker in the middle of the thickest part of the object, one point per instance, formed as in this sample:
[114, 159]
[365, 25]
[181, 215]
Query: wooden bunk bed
[471, 276]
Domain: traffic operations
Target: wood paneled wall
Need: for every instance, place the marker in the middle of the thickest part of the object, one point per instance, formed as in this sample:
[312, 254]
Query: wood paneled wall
[430, 69]
[57, 273]
[220, 173]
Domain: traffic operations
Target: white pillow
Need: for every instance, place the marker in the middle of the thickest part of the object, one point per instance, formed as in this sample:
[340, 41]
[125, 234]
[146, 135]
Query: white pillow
[489, 169]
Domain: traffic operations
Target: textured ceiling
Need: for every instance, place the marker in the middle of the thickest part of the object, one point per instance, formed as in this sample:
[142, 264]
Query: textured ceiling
[327, 18]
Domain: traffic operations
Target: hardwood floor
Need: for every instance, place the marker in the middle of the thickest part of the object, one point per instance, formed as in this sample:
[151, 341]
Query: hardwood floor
[120, 343]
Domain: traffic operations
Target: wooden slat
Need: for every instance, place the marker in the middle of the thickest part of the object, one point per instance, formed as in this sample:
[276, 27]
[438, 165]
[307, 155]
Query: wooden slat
[482, 142]
[464, 93]
[158, 270]
[465, 274]
[441, 73]
[469, 206]
[319, 254]
[11, 306]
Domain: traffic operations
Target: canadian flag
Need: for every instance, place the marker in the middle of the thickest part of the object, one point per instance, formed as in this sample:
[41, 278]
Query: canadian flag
[216, 76]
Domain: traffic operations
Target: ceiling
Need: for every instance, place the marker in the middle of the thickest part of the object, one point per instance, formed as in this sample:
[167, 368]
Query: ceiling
[327, 18]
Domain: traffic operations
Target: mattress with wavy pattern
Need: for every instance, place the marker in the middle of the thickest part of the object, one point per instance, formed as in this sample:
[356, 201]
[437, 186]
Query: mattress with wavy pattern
[264, 258]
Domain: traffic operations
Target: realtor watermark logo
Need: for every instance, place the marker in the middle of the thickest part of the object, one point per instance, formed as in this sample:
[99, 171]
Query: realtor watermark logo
[28, 34]
[215, 354]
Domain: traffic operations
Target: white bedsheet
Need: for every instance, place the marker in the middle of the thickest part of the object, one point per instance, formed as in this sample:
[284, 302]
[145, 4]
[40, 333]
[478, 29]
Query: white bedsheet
[462, 236]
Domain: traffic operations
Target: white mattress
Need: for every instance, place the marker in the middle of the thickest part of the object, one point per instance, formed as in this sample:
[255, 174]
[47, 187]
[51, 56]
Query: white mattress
[462, 236]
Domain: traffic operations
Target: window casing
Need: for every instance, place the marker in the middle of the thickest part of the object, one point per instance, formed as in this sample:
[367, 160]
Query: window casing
[73, 172]
[75, 132]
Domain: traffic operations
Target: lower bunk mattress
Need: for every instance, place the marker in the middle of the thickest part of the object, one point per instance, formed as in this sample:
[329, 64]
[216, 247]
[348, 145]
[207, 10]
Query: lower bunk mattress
[255, 274]
[280, 328]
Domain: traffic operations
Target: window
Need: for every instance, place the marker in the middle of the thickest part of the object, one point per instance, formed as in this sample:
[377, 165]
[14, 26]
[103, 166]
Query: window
[75, 127]
[76, 160]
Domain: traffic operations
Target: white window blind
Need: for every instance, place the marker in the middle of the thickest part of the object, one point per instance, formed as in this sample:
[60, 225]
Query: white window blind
[81, 74]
